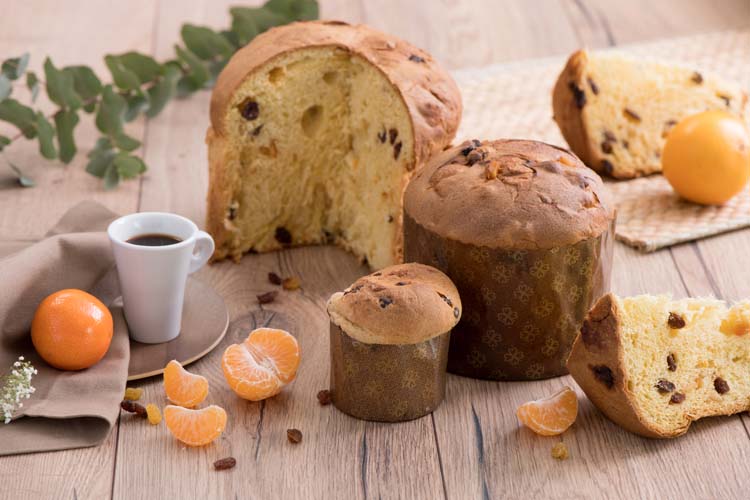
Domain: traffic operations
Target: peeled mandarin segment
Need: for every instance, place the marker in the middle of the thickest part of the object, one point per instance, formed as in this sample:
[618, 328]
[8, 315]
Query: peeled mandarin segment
[550, 416]
[182, 387]
[195, 427]
[279, 348]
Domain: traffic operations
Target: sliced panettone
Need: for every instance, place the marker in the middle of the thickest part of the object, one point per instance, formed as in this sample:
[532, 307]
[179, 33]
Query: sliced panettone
[615, 111]
[315, 130]
[654, 365]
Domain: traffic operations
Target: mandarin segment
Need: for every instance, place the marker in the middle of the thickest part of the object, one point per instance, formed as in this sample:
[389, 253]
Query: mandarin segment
[195, 427]
[550, 416]
[262, 364]
[182, 387]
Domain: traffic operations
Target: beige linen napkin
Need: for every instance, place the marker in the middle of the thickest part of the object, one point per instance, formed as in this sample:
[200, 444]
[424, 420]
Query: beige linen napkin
[68, 409]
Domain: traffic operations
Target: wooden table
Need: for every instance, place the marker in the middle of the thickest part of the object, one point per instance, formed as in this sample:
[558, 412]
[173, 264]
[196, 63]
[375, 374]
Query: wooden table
[472, 446]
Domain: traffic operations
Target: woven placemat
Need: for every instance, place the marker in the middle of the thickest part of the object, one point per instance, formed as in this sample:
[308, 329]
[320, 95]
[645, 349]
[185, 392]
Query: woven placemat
[514, 101]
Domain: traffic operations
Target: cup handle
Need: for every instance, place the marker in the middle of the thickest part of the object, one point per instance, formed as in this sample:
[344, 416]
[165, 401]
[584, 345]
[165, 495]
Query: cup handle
[204, 248]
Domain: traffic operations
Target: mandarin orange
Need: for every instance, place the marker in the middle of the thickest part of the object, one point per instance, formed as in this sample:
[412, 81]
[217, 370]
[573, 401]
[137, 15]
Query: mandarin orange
[550, 416]
[71, 330]
[182, 387]
[195, 427]
[262, 364]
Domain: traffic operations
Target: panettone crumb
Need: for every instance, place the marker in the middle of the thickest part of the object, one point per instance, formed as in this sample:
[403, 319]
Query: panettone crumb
[560, 451]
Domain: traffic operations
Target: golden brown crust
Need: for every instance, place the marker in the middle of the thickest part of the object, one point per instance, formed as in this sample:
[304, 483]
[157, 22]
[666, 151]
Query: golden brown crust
[596, 364]
[219, 193]
[402, 304]
[429, 93]
[567, 106]
[511, 194]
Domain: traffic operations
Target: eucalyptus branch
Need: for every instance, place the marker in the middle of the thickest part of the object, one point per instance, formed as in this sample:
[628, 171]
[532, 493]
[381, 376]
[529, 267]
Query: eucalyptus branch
[139, 86]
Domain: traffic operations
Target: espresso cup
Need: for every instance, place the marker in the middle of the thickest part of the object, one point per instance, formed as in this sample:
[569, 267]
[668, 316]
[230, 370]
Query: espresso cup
[152, 278]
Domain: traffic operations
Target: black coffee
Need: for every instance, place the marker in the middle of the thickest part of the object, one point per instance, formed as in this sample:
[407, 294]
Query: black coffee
[154, 240]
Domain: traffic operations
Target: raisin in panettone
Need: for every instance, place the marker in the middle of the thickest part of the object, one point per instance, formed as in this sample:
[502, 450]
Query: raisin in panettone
[525, 231]
[315, 129]
[615, 111]
[390, 333]
[654, 365]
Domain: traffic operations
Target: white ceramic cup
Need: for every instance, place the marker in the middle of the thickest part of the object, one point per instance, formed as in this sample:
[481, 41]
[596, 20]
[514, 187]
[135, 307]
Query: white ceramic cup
[152, 278]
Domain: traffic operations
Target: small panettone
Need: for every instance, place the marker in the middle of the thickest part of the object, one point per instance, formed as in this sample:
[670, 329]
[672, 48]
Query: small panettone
[316, 128]
[390, 333]
[615, 111]
[525, 231]
[654, 365]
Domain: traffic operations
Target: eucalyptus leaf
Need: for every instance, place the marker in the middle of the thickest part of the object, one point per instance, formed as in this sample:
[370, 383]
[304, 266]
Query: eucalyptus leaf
[15, 67]
[144, 66]
[232, 38]
[215, 67]
[123, 77]
[6, 87]
[86, 83]
[60, 86]
[135, 104]
[197, 74]
[249, 22]
[32, 82]
[90, 107]
[4, 141]
[125, 142]
[100, 158]
[185, 87]
[294, 10]
[46, 134]
[205, 43]
[111, 177]
[111, 113]
[129, 166]
[21, 116]
[103, 144]
[162, 91]
[23, 181]
[65, 122]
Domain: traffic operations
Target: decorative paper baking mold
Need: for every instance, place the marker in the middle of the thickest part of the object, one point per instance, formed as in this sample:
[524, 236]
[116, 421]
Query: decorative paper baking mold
[514, 101]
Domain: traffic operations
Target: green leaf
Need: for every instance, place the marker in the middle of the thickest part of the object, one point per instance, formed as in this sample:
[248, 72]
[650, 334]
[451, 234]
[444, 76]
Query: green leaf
[129, 166]
[197, 74]
[145, 67]
[294, 10]
[86, 83]
[123, 77]
[22, 179]
[125, 142]
[215, 67]
[4, 141]
[60, 86]
[248, 22]
[162, 91]
[111, 112]
[21, 116]
[232, 38]
[135, 104]
[205, 43]
[32, 82]
[100, 157]
[103, 144]
[65, 122]
[111, 177]
[46, 134]
[6, 87]
[14, 67]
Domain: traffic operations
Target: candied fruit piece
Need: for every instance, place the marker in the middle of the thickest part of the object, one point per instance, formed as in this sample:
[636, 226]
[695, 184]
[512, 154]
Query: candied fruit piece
[153, 413]
[133, 393]
[560, 451]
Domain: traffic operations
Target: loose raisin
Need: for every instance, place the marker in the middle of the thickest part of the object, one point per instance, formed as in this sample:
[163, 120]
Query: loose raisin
[294, 435]
[677, 398]
[697, 78]
[283, 235]
[664, 386]
[133, 407]
[578, 95]
[415, 58]
[274, 278]
[225, 463]
[671, 362]
[385, 302]
[721, 385]
[604, 375]
[249, 109]
[266, 298]
[324, 397]
[675, 321]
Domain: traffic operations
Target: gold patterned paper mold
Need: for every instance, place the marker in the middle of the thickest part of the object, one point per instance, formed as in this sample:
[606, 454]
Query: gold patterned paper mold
[390, 333]
[522, 308]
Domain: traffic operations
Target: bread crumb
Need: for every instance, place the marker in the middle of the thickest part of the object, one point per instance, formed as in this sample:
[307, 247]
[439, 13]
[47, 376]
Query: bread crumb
[560, 451]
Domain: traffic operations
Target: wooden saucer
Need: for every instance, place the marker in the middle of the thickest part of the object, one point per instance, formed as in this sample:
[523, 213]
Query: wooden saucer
[205, 319]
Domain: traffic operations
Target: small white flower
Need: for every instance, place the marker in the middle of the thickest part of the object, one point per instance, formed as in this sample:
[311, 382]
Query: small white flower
[15, 387]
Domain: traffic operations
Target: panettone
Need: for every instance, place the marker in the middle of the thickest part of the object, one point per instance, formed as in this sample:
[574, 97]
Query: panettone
[654, 365]
[390, 333]
[316, 128]
[615, 111]
[525, 231]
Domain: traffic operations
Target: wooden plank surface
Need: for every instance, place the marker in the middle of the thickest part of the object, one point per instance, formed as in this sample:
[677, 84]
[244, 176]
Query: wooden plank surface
[472, 446]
